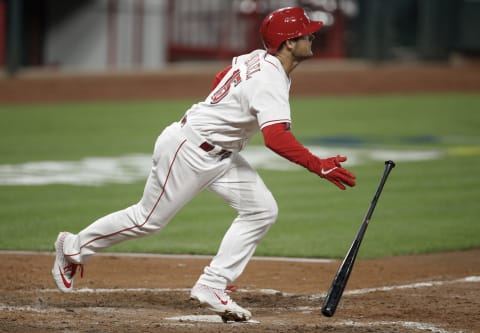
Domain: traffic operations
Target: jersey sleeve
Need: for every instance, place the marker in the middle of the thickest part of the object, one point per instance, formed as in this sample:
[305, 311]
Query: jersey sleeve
[270, 103]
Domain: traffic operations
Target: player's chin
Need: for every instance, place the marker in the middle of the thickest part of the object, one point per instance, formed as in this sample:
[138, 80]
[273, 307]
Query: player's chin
[305, 56]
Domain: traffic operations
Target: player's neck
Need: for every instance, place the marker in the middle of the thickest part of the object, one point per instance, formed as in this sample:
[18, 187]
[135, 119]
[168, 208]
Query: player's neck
[288, 63]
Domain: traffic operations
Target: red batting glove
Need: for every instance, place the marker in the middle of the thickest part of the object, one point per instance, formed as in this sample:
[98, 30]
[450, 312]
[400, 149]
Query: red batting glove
[279, 139]
[331, 170]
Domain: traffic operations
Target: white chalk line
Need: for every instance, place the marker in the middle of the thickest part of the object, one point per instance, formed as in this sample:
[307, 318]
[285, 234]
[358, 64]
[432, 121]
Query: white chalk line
[179, 256]
[186, 319]
[50, 309]
[117, 290]
[429, 327]
[425, 284]
[207, 319]
[419, 326]
[406, 324]
[417, 285]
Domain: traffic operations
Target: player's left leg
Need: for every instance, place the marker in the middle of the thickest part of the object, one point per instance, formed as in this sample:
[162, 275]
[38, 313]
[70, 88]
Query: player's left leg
[245, 191]
[257, 210]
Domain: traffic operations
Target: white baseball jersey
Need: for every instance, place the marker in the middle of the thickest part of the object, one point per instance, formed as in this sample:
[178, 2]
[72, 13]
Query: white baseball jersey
[254, 93]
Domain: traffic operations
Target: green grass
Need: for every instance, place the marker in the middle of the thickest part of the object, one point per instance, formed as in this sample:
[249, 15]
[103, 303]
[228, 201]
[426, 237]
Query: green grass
[426, 206]
[73, 131]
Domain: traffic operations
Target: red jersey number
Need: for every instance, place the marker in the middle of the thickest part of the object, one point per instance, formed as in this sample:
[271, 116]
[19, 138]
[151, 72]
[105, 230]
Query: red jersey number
[221, 92]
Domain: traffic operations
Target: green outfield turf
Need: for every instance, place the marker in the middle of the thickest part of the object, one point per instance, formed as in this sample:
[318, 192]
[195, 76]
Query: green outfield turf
[428, 204]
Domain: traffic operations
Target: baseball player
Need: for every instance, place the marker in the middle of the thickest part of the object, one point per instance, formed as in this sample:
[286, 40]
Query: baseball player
[201, 151]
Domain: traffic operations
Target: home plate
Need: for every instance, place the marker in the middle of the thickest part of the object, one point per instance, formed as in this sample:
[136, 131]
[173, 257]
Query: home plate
[206, 319]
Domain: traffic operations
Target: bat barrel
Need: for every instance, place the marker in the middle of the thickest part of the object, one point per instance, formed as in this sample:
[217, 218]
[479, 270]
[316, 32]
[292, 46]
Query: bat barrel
[341, 278]
[328, 311]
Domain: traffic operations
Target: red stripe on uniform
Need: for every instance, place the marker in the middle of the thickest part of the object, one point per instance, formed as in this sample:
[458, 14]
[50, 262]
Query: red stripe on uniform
[149, 215]
[271, 63]
[275, 122]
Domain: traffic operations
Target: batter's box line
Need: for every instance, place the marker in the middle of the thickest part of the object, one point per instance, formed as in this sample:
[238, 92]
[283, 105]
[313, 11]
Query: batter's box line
[426, 284]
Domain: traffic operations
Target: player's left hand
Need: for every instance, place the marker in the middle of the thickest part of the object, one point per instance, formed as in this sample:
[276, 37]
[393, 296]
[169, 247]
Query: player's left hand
[332, 170]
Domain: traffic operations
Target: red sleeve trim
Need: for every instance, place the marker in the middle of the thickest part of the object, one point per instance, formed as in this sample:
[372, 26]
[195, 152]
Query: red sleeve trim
[276, 121]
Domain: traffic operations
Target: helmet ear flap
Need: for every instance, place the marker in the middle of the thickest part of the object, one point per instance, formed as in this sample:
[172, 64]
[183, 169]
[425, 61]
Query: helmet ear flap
[263, 32]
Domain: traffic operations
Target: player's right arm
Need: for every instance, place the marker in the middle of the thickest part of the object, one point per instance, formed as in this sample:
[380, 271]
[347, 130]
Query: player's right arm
[281, 140]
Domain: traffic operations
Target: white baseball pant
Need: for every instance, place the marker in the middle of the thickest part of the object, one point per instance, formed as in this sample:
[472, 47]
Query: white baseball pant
[180, 170]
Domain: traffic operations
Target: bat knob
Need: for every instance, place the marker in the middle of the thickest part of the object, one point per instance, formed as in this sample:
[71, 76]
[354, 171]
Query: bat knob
[392, 163]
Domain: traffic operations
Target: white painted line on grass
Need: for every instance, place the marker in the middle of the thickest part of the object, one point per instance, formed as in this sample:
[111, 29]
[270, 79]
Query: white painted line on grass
[126, 169]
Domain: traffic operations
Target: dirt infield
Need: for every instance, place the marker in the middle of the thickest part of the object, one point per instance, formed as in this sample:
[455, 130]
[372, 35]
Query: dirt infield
[424, 293]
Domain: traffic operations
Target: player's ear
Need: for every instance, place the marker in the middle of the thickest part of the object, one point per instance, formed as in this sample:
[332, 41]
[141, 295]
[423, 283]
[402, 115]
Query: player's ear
[284, 47]
[289, 44]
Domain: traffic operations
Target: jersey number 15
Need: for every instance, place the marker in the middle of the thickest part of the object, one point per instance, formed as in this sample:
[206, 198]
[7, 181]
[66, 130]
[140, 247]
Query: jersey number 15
[223, 90]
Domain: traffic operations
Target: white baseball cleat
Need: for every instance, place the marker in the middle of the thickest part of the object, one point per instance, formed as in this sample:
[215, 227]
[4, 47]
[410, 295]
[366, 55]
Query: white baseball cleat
[218, 301]
[63, 271]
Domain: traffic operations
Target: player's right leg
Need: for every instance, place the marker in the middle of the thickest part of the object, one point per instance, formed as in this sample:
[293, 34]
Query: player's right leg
[179, 171]
[63, 270]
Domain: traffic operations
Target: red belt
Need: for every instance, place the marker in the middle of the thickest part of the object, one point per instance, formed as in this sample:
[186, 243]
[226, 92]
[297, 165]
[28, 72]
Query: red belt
[209, 147]
[206, 146]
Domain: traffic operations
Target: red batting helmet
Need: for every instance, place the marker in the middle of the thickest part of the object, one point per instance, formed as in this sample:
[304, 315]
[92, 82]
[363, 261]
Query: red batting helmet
[286, 23]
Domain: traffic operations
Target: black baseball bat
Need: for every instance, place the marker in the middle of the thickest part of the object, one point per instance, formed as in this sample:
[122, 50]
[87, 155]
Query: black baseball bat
[341, 278]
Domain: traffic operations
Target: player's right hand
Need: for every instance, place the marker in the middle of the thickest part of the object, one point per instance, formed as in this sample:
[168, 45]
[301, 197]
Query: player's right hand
[332, 170]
